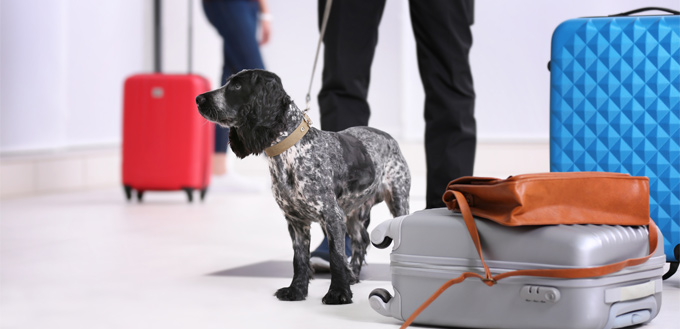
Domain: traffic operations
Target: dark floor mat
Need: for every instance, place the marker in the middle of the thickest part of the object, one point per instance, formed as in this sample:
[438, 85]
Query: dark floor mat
[284, 269]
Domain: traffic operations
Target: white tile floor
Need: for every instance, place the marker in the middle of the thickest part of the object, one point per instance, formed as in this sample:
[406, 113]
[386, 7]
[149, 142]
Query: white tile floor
[92, 260]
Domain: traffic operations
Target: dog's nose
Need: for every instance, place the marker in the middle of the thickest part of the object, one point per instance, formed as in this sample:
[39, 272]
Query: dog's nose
[200, 99]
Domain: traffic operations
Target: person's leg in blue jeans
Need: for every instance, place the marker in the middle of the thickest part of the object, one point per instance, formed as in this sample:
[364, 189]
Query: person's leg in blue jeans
[236, 22]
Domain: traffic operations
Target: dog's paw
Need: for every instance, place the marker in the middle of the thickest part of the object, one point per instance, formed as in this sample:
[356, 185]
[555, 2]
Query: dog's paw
[356, 270]
[290, 294]
[337, 297]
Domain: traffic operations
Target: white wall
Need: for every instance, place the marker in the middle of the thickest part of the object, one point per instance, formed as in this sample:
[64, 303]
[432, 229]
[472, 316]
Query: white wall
[509, 57]
[63, 63]
[62, 67]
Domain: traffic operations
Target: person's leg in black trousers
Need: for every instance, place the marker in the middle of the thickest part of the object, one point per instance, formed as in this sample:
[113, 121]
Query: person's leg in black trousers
[443, 38]
[349, 45]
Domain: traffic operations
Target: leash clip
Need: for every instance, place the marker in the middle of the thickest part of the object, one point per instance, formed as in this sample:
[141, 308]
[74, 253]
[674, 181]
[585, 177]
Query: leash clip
[306, 118]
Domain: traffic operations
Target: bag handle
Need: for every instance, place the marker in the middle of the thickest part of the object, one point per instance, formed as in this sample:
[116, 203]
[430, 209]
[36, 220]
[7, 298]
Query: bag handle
[489, 280]
[639, 10]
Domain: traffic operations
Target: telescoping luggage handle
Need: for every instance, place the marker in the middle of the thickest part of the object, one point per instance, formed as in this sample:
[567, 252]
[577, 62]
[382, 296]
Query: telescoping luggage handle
[157, 44]
[457, 200]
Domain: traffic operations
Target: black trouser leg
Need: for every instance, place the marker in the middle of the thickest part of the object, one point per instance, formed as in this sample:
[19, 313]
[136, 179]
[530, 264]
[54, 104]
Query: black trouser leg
[349, 46]
[443, 38]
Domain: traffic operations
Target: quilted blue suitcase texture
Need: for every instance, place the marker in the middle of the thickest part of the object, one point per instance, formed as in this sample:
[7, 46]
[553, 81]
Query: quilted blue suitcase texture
[615, 106]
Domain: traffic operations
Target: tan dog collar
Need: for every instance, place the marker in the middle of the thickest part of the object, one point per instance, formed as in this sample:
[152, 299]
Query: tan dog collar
[289, 141]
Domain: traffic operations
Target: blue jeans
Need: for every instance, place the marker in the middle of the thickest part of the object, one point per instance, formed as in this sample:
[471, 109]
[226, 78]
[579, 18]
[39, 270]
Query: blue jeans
[236, 22]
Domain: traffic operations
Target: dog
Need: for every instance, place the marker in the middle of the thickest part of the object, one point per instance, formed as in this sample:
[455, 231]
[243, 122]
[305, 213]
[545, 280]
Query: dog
[326, 177]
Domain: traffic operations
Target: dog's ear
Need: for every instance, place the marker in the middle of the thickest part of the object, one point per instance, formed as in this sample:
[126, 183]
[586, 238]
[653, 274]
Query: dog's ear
[236, 144]
[274, 96]
[268, 100]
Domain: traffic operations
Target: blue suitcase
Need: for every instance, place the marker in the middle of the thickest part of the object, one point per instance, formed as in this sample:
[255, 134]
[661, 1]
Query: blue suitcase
[615, 106]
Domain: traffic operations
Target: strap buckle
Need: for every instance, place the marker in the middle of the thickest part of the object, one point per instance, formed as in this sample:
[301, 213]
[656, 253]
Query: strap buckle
[489, 280]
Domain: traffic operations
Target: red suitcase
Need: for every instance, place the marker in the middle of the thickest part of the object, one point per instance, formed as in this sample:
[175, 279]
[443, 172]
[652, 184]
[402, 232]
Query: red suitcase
[167, 144]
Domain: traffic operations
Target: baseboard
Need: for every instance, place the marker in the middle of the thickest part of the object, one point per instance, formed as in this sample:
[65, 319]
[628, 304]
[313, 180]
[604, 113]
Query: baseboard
[30, 173]
[55, 171]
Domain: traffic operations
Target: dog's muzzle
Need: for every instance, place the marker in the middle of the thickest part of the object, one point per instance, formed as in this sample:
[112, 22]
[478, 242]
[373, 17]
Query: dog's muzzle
[208, 111]
[201, 100]
[205, 110]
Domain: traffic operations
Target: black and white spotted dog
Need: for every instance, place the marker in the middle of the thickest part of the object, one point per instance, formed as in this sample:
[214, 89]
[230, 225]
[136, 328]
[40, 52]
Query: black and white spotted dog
[326, 177]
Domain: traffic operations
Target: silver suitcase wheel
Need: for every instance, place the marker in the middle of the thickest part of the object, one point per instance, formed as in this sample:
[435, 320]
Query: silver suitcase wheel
[379, 299]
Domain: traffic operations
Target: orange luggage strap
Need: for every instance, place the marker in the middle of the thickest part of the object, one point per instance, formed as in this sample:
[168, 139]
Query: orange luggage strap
[490, 280]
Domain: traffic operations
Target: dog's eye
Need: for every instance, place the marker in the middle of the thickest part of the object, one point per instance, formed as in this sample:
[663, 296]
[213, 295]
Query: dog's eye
[235, 86]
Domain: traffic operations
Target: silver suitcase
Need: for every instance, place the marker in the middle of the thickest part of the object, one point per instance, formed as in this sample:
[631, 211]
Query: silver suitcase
[430, 247]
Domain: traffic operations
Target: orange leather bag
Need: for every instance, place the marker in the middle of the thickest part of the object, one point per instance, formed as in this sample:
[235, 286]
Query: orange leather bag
[549, 199]
[555, 198]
